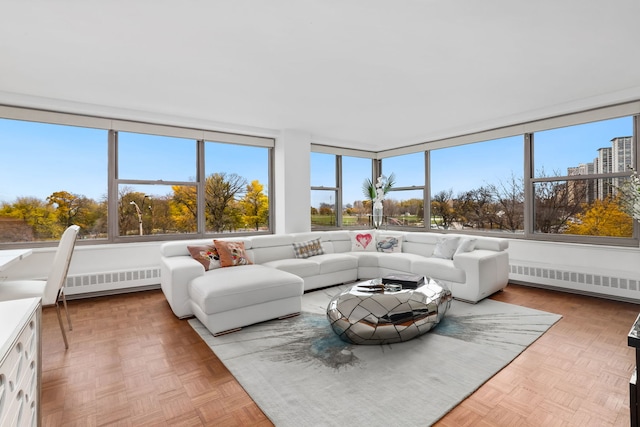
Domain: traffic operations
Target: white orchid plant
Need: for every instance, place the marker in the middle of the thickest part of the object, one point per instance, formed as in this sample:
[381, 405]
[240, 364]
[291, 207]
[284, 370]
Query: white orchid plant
[629, 193]
[376, 192]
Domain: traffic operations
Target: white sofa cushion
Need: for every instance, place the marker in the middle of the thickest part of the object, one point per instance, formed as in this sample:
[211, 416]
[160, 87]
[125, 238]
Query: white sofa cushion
[441, 268]
[233, 287]
[367, 259]
[398, 262]
[330, 263]
[300, 267]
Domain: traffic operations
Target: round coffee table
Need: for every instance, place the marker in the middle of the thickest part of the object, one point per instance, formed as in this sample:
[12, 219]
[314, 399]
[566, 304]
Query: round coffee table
[371, 313]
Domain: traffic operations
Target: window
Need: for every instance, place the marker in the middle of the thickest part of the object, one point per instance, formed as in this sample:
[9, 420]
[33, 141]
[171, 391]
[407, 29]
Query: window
[52, 176]
[479, 186]
[356, 212]
[127, 181]
[577, 170]
[324, 190]
[236, 187]
[404, 203]
[146, 207]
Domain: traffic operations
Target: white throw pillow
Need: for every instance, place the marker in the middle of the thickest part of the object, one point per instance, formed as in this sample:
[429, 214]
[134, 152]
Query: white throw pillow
[388, 243]
[446, 247]
[363, 241]
[466, 244]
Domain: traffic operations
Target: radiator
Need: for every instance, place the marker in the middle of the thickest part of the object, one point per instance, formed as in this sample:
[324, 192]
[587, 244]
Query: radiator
[609, 285]
[112, 282]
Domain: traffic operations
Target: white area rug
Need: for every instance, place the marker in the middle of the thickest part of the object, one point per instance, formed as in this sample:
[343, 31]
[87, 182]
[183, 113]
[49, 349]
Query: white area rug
[301, 374]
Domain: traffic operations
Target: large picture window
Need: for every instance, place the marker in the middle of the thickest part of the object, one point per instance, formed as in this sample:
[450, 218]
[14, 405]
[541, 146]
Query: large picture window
[479, 186]
[127, 181]
[577, 172]
[236, 188]
[52, 176]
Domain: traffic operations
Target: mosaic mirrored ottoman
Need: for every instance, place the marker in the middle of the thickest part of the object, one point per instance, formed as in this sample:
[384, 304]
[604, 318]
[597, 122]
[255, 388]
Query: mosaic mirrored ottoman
[373, 313]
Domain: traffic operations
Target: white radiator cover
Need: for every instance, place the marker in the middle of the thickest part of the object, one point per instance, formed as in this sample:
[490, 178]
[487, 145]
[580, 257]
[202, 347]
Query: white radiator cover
[611, 285]
[111, 280]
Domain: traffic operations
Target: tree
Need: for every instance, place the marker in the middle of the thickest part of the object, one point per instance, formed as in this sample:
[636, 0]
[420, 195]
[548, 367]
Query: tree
[509, 197]
[220, 190]
[474, 207]
[602, 218]
[37, 214]
[128, 218]
[326, 209]
[75, 209]
[442, 212]
[183, 208]
[255, 205]
[555, 206]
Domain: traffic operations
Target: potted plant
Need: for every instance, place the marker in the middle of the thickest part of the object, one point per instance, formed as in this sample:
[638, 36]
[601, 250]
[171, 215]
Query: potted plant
[376, 193]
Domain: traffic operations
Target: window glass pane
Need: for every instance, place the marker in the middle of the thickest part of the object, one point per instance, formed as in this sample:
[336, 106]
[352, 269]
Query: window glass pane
[51, 176]
[403, 209]
[354, 172]
[323, 170]
[479, 186]
[236, 188]
[598, 147]
[156, 209]
[323, 213]
[153, 157]
[571, 207]
[408, 170]
[583, 207]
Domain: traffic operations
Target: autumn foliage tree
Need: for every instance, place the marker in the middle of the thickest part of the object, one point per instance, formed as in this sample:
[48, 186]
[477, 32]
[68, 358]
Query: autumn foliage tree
[221, 190]
[602, 218]
[255, 205]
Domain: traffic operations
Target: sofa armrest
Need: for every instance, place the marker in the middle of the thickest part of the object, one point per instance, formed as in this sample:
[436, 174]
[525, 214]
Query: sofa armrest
[486, 272]
[175, 274]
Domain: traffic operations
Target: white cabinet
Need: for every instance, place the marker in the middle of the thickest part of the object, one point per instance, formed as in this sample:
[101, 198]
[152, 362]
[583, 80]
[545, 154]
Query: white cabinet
[20, 362]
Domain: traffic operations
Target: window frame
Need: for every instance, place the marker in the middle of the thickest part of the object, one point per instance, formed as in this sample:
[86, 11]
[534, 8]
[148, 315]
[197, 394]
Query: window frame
[113, 126]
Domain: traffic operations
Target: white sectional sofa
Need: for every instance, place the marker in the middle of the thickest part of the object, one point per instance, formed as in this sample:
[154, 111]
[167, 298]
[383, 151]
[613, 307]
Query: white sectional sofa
[232, 297]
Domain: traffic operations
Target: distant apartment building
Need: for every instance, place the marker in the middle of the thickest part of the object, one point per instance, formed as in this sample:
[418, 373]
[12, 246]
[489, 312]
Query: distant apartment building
[582, 190]
[610, 159]
[603, 164]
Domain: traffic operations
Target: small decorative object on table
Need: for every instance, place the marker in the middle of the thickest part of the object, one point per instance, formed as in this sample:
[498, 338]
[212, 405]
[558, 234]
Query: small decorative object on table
[406, 281]
[377, 285]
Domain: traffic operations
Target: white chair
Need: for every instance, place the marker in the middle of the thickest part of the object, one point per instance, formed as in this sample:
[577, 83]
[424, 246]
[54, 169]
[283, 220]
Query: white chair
[50, 290]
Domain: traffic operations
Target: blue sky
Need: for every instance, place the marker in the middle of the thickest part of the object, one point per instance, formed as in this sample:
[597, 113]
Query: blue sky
[38, 159]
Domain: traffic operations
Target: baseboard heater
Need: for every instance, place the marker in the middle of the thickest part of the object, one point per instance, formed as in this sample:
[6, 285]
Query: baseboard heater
[111, 282]
[592, 284]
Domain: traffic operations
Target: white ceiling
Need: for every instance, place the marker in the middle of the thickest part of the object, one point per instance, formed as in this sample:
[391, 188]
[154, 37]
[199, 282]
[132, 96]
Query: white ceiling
[365, 74]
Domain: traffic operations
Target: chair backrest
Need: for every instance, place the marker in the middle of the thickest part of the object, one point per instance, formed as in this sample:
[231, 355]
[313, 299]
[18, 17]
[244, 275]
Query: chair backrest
[60, 267]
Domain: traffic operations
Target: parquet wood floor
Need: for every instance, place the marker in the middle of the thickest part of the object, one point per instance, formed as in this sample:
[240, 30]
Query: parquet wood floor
[132, 363]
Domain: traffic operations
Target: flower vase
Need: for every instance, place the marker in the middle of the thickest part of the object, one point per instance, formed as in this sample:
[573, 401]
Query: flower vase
[377, 217]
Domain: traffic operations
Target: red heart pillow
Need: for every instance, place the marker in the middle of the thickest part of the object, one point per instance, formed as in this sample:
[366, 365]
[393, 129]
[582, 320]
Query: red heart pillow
[363, 241]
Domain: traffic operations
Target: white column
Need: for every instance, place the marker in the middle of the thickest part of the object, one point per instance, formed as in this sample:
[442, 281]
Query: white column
[292, 182]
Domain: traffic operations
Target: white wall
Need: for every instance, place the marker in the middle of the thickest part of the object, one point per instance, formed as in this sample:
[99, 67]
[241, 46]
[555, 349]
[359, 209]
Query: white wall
[292, 172]
[96, 268]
